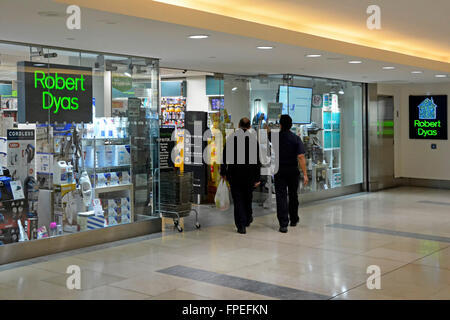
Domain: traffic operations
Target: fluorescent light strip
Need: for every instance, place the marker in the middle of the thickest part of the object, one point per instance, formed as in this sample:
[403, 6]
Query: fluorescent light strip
[265, 47]
[199, 36]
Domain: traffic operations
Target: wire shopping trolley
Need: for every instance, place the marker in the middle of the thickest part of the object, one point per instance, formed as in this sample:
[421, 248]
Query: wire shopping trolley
[176, 195]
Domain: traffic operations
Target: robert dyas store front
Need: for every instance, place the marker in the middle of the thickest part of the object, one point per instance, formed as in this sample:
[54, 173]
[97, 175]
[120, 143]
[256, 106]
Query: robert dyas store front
[78, 149]
[79, 141]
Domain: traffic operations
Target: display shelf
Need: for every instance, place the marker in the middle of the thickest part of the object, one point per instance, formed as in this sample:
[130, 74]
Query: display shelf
[331, 149]
[109, 168]
[119, 187]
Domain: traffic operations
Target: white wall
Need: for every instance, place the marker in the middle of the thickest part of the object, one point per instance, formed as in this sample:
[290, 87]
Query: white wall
[196, 99]
[237, 101]
[415, 158]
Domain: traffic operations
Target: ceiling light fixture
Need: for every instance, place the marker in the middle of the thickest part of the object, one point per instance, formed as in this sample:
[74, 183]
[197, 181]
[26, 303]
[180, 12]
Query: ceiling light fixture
[416, 72]
[199, 36]
[234, 89]
[355, 62]
[313, 55]
[127, 74]
[388, 68]
[441, 76]
[341, 91]
[265, 47]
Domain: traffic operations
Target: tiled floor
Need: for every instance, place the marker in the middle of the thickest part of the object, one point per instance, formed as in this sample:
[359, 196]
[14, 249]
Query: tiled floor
[404, 231]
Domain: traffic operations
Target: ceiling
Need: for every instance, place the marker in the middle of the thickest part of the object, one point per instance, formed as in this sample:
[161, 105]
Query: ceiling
[29, 21]
[414, 27]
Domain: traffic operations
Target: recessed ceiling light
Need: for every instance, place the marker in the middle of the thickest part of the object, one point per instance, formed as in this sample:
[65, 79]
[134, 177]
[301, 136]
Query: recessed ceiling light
[441, 76]
[388, 68]
[234, 89]
[355, 62]
[313, 55]
[265, 47]
[416, 72]
[199, 36]
[51, 14]
[39, 65]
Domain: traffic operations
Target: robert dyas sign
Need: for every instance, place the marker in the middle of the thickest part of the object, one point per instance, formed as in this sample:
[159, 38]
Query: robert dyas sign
[54, 93]
[428, 117]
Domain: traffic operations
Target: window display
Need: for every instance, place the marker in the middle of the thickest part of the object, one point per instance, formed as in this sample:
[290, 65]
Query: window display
[327, 115]
[74, 159]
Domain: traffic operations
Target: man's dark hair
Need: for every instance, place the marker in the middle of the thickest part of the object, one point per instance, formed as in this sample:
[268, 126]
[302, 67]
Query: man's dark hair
[244, 123]
[285, 122]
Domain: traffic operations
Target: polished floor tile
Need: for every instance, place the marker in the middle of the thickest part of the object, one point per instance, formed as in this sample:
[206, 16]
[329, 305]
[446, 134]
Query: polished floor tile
[326, 255]
[89, 279]
[152, 284]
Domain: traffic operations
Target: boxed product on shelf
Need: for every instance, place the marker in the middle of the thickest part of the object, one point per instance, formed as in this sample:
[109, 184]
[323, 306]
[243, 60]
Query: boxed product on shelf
[114, 179]
[124, 177]
[83, 218]
[101, 180]
[95, 222]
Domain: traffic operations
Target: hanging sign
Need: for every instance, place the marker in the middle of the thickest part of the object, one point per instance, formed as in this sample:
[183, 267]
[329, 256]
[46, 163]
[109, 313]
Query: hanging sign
[54, 93]
[428, 117]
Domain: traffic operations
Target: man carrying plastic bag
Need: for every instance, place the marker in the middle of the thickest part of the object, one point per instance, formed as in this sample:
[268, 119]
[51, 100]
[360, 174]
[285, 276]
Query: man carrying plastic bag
[242, 168]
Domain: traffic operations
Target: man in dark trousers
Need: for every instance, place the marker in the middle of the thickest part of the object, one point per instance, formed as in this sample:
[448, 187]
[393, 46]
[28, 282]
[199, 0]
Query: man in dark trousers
[242, 169]
[291, 155]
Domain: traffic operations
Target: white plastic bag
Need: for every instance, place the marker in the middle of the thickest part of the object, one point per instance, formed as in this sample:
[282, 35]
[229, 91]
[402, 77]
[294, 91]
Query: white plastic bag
[222, 198]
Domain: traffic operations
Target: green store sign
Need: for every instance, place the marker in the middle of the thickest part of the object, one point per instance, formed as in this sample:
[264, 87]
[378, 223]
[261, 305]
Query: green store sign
[54, 93]
[121, 83]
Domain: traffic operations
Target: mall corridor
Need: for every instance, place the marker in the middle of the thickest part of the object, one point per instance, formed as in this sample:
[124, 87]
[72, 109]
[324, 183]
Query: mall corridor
[405, 231]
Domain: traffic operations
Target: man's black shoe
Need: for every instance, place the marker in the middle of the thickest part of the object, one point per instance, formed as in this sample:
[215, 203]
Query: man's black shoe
[294, 224]
[250, 222]
[241, 231]
[283, 229]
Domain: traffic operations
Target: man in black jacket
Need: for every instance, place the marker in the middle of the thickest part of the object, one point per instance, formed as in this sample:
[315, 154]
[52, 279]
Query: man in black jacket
[291, 155]
[242, 168]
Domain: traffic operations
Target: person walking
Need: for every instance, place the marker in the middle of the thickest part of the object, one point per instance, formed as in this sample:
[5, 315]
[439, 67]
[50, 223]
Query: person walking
[241, 167]
[291, 155]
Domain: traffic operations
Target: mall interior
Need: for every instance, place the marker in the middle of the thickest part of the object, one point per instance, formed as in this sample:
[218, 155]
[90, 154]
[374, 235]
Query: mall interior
[96, 169]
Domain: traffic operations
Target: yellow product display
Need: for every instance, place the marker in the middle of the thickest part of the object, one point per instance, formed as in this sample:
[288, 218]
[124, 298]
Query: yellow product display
[66, 204]
[179, 149]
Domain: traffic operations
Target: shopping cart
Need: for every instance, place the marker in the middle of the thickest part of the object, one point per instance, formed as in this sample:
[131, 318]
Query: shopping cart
[176, 195]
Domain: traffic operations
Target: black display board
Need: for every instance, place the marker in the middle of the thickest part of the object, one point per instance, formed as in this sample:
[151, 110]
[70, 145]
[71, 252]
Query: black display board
[165, 149]
[193, 150]
[428, 117]
[54, 93]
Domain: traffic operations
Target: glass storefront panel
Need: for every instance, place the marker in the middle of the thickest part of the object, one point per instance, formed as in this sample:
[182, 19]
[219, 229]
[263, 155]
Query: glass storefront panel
[330, 123]
[79, 141]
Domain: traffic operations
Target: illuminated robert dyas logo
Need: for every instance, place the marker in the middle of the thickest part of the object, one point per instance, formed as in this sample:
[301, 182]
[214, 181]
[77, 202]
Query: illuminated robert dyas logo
[427, 111]
[56, 82]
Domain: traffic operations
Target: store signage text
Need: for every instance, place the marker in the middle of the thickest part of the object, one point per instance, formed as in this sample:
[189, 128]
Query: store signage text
[427, 124]
[428, 117]
[54, 93]
[49, 101]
